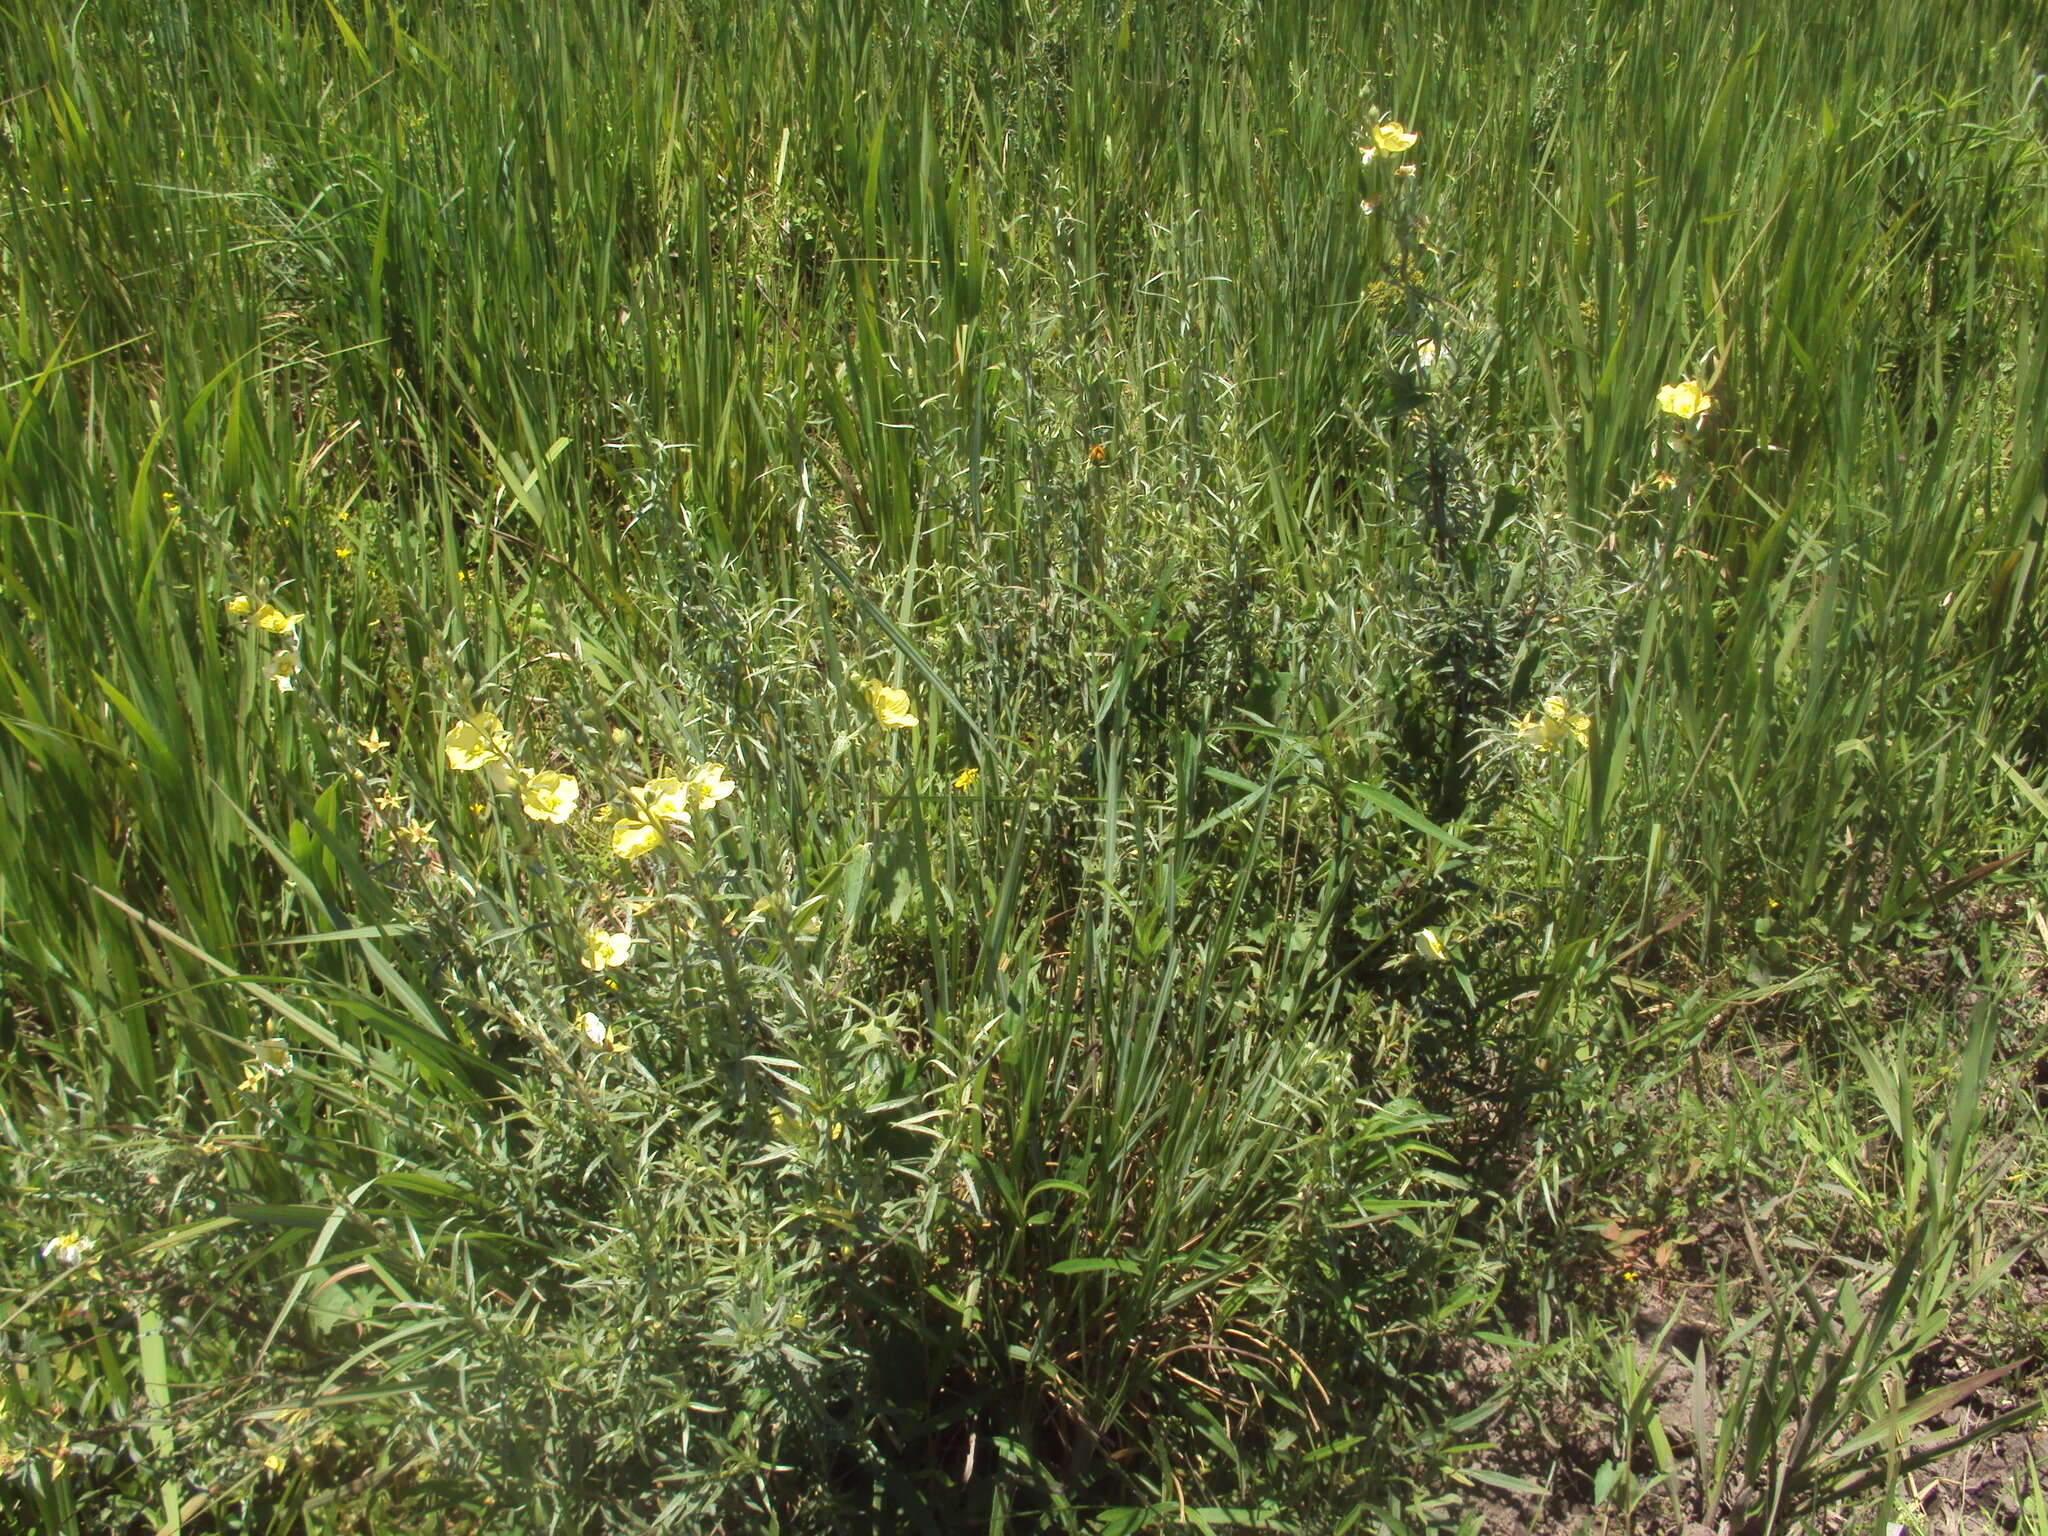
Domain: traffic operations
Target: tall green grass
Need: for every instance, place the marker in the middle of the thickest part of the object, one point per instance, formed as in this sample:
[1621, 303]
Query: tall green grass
[1097, 1142]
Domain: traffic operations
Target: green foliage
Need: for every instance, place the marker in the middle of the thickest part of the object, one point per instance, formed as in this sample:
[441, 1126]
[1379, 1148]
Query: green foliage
[1400, 839]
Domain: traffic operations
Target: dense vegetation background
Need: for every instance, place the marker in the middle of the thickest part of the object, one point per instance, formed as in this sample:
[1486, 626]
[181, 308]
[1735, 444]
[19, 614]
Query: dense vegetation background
[1426, 943]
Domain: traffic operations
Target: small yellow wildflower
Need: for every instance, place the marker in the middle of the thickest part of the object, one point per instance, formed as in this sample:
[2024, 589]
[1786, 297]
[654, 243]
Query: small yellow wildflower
[1406, 168]
[707, 785]
[417, 832]
[632, 837]
[387, 801]
[967, 778]
[600, 1036]
[1429, 948]
[281, 670]
[372, 743]
[239, 606]
[1557, 723]
[549, 796]
[1389, 138]
[1568, 721]
[667, 799]
[267, 1059]
[274, 1462]
[891, 705]
[342, 551]
[273, 620]
[477, 743]
[604, 951]
[1428, 353]
[68, 1249]
[1685, 399]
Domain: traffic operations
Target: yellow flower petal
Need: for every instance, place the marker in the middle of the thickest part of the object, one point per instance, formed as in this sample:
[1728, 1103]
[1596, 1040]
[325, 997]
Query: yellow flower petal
[707, 785]
[667, 799]
[891, 705]
[967, 778]
[603, 951]
[1684, 399]
[472, 744]
[549, 796]
[631, 837]
[274, 620]
[1391, 138]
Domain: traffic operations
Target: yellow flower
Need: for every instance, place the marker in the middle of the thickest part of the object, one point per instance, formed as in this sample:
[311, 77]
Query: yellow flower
[342, 551]
[549, 796]
[1391, 138]
[604, 951]
[273, 620]
[387, 801]
[666, 799]
[632, 837]
[967, 778]
[1428, 353]
[417, 832]
[1558, 723]
[599, 1036]
[707, 785]
[267, 1059]
[68, 1249]
[1684, 399]
[1566, 721]
[891, 705]
[372, 743]
[1429, 948]
[274, 1461]
[281, 669]
[239, 607]
[477, 743]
